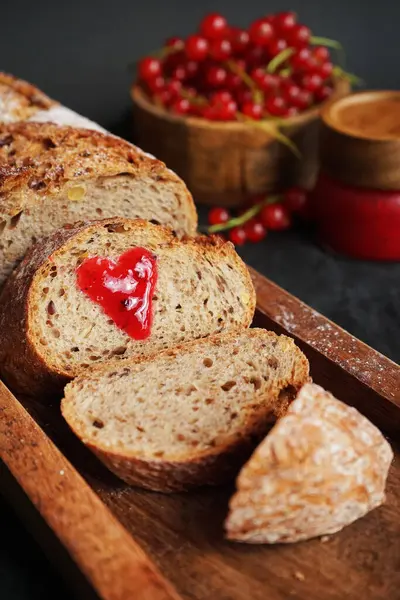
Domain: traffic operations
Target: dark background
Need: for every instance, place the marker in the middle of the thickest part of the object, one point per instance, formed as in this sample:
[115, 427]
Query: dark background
[78, 52]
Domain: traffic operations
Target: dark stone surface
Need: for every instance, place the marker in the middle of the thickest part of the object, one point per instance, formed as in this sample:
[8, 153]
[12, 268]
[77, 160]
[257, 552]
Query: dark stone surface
[78, 52]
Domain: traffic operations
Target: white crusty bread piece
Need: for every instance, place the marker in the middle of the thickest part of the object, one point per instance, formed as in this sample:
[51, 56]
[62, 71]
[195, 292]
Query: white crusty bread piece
[49, 328]
[51, 176]
[321, 467]
[189, 416]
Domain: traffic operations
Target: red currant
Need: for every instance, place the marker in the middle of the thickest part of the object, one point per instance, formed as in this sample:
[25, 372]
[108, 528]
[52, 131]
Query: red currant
[303, 100]
[164, 96]
[214, 26]
[292, 111]
[290, 92]
[221, 97]
[227, 111]
[174, 86]
[233, 81]
[220, 49]
[244, 95]
[284, 21]
[196, 47]
[276, 47]
[325, 70]
[276, 106]
[323, 93]
[298, 36]
[321, 54]
[156, 84]
[265, 81]
[255, 56]
[301, 61]
[255, 230]
[261, 32]
[192, 68]
[216, 76]
[237, 235]
[218, 215]
[295, 199]
[181, 106]
[149, 68]
[239, 39]
[253, 110]
[176, 43]
[179, 72]
[275, 217]
[311, 82]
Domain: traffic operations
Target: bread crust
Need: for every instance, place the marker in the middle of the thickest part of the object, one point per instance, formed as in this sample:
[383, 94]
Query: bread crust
[214, 466]
[24, 98]
[21, 366]
[322, 466]
[41, 159]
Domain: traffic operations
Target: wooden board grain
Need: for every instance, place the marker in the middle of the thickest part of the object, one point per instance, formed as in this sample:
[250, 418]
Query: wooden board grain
[182, 533]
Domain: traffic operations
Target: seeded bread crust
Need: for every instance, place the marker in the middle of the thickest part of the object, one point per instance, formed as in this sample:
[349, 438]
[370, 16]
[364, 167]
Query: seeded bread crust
[214, 466]
[20, 100]
[40, 159]
[20, 365]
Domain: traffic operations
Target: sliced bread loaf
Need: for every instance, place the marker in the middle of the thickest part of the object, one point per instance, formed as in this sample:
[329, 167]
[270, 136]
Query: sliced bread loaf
[51, 176]
[322, 466]
[53, 321]
[189, 416]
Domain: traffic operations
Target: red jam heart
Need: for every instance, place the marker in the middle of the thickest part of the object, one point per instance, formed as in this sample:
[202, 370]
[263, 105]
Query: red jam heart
[123, 288]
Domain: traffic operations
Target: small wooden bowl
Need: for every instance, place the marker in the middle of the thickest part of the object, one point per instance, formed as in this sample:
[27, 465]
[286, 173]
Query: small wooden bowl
[360, 140]
[225, 163]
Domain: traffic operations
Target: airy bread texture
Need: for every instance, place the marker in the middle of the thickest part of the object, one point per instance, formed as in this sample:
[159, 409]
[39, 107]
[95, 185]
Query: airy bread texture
[51, 176]
[49, 329]
[321, 467]
[189, 416]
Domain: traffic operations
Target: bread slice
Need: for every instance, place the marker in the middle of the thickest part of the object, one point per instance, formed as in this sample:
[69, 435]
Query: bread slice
[22, 101]
[49, 328]
[321, 467]
[51, 176]
[188, 416]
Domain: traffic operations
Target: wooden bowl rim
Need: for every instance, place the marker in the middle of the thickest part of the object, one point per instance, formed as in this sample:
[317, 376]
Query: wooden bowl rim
[330, 116]
[140, 98]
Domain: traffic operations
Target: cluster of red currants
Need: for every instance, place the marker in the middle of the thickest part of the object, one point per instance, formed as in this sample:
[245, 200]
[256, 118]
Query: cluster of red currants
[227, 73]
[262, 213]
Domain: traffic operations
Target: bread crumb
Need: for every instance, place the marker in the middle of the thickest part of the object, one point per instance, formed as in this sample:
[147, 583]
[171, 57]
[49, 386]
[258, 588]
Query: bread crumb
[299, 575]
[62, 472]
[325, 538]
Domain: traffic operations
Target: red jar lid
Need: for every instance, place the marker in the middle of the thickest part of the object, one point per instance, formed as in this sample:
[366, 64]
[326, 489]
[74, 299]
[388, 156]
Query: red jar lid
[356, 221]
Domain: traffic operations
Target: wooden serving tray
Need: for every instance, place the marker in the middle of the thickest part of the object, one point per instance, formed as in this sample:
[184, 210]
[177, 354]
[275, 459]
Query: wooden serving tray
[121, 543]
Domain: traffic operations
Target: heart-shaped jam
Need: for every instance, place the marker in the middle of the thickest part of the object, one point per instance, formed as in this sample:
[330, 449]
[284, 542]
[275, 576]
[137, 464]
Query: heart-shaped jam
[123, 288]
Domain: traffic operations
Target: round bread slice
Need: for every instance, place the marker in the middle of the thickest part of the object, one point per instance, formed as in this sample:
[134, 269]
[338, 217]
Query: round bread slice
[189, 416]
[321, 467]
[50, 328]
[51, 176]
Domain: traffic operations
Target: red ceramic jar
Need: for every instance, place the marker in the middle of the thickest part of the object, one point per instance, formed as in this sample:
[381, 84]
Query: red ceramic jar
[359, 222]
[356, 201]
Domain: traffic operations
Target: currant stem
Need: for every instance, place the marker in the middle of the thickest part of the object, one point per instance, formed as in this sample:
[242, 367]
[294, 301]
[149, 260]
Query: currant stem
[279, 59]
[246, 216]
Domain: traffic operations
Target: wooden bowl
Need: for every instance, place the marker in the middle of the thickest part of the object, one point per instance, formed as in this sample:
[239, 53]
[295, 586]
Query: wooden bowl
[224, 163]
[360, 140]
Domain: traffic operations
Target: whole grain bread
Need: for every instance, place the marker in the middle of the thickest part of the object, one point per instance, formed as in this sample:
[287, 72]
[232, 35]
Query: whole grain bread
[189, 416]
[49, 328]
[51, 176]
[322, 466]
